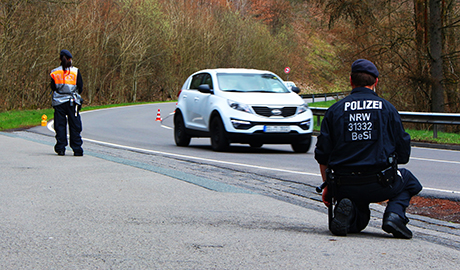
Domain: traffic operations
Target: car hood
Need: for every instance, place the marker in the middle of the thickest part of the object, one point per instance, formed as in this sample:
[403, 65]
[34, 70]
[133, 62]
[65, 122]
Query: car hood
[273, 99]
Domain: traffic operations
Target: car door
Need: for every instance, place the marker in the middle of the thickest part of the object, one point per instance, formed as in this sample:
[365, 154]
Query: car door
[197, 102]
[201, 103]
[192, 92]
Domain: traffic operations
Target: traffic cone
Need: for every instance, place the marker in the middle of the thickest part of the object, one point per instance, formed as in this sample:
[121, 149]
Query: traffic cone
[44, 118]
[158, 116]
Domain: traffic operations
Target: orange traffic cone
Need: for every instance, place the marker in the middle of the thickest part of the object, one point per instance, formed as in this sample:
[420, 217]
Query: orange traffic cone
[44, 118]
[158, 116]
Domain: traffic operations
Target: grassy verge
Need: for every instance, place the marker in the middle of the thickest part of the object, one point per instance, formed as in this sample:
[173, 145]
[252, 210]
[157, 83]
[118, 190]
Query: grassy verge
[31, 118]
[22, 119]
[427, 136]
[416, 135]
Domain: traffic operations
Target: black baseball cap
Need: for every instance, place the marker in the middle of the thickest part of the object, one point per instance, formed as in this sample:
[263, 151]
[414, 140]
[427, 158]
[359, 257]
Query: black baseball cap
[66, 53]
[366, 66]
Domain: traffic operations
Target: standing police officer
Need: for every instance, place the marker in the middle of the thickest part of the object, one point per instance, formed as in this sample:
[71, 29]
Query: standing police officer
[362, 140]
[67, 85]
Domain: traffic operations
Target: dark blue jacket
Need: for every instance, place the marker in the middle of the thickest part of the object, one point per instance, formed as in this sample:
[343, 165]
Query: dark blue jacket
[360, 132]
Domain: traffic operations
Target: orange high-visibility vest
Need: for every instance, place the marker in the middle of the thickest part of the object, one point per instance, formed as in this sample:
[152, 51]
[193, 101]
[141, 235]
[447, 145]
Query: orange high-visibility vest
[66, 85]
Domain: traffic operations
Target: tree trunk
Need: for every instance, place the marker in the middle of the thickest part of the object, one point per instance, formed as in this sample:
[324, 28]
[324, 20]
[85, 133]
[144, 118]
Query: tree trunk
[437, 89]
[420, 75]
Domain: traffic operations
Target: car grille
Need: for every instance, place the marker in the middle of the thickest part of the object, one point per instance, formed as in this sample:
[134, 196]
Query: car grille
[266, 111]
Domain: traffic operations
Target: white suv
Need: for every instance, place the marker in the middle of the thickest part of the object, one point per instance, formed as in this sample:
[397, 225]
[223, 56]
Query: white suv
[241, 106]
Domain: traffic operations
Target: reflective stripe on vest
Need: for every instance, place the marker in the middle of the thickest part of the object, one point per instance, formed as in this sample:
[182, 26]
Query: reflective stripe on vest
[66, 85]
[65, 80]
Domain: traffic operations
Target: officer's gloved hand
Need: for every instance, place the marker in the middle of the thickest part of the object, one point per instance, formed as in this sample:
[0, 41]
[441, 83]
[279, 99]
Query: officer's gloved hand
[327, 200]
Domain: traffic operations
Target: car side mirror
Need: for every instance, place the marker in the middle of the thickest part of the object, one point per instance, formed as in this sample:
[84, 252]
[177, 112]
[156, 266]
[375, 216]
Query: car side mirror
[295, 89]
[204, 88]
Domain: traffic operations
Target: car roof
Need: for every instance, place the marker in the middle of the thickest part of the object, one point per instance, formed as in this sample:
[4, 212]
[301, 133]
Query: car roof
[234, 70]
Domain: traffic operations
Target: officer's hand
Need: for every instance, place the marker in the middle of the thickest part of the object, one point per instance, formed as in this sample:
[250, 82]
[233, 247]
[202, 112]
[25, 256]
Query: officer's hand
[327, 200]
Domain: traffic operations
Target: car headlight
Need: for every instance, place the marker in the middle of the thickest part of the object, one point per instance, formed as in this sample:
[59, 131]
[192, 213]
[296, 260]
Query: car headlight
[305, 125]
[302, 108]
[241, 124]
[239, 106]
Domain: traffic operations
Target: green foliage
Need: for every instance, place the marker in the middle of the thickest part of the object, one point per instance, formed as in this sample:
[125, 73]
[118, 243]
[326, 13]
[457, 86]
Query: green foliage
[322, 57]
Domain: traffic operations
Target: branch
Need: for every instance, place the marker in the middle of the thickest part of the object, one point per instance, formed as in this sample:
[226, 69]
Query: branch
[452, 24]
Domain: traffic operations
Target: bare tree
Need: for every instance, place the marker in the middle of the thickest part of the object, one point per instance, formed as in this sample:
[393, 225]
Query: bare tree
[437, 89]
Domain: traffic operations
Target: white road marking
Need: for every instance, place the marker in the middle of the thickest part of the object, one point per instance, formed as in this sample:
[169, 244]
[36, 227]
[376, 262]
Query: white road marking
[50, 127]
[163, 126]
[442, 190]
[198, 158]
[234, 163]
[436, 160]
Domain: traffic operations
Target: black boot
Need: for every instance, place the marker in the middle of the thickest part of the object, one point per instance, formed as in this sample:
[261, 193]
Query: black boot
[396, 225]
[343, 215]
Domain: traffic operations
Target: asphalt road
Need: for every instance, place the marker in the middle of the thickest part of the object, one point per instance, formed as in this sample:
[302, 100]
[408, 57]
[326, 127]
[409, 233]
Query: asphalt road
[137, 201]
[116, 208]
[136, 127]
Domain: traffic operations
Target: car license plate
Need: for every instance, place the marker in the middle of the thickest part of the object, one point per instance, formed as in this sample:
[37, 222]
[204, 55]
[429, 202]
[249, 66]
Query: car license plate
[283, 129]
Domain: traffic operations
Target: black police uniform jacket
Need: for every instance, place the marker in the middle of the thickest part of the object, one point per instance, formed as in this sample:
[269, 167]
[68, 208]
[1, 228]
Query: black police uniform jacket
[360, 132]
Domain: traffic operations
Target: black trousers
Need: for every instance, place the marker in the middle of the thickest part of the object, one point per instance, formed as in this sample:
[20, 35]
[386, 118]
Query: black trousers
[62, 114]
[399, 194]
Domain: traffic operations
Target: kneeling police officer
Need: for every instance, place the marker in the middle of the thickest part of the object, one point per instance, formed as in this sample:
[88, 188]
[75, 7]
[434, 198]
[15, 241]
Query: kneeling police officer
[362, 140]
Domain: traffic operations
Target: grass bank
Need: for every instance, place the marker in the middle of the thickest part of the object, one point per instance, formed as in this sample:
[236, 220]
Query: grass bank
[31, 118]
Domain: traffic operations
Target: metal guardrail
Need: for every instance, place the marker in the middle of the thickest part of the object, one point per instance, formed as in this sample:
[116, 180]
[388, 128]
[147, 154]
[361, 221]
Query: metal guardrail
[411, 117]
[325, 95]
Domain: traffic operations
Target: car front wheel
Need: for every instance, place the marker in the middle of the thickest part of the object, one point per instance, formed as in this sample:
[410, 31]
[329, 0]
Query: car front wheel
[219, 140]
[256, 144]
[302, 147]
[180, 135]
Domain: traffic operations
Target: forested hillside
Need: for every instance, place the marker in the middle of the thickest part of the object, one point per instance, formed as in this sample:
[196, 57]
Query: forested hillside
[143, 50]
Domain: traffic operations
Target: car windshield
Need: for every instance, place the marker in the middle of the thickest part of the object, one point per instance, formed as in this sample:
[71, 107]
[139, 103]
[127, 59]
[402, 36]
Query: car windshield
[236, 82]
